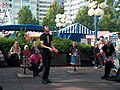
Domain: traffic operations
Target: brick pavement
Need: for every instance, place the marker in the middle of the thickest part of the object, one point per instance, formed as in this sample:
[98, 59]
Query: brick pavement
[63, 78]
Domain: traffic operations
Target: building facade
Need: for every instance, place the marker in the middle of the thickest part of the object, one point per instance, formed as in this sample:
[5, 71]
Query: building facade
[71, 8]
[44, 5]
[37, 7]
[14, 6]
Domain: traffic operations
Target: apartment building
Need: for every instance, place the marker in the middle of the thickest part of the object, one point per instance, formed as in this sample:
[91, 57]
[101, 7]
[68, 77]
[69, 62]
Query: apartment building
[43, 7]
[37, 7]
[14, 6]
[71, 8]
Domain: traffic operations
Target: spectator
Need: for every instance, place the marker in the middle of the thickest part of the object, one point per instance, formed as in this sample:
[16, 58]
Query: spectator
[1, 48]
[1, 55]
[75, 55]
[35, 61]
[35, 45]
[4, 33]
[108, 51]
[96, 50]
[101, 43]
[25, 55]
[26, 51]
[117, 48]
[47, 48]
[15, 52]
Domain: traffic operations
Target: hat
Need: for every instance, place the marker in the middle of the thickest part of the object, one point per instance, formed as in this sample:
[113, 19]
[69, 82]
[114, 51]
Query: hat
[25, 46]
[16, 42]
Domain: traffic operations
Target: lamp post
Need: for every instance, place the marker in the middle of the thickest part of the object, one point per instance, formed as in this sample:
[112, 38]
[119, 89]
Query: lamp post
[60, 20]
[96, 10]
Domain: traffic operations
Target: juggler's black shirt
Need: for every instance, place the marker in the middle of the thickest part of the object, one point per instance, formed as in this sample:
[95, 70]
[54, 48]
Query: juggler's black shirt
[47, 39]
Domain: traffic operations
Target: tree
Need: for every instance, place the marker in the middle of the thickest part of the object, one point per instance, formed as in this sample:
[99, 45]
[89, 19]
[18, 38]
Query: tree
[25, 15]
[110, 21]
[109, 2]
[51, 14]
[35, 21]
[84, 19]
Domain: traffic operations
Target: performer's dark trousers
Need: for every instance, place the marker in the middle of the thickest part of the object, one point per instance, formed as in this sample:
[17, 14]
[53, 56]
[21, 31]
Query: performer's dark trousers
[46, 65]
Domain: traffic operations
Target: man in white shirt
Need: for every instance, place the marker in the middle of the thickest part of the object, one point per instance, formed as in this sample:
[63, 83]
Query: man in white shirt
[117, 48]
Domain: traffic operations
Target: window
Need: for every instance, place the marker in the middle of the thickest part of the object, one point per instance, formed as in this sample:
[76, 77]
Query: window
[10, 5]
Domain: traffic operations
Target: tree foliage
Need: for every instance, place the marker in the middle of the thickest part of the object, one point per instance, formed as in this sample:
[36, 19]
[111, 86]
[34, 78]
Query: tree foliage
[25, 16]
[51, 14]
[110, 21]
[84, 19]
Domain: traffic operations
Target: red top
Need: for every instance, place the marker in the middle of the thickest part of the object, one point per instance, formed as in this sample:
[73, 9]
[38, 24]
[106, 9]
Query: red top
[35, 58]
[26, 53]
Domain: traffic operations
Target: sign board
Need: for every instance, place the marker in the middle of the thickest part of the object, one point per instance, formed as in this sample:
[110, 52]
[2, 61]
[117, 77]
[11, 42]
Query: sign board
[83, 40]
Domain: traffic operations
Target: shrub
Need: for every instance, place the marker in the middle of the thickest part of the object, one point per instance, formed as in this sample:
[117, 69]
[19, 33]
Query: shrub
[62, 44]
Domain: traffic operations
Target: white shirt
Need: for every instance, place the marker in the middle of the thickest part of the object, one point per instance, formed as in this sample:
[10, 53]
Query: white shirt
[117, 48]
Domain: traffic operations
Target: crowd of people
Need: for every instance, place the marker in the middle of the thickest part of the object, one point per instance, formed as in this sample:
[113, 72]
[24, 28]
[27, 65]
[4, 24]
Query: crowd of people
[39, 57]
[104, 52]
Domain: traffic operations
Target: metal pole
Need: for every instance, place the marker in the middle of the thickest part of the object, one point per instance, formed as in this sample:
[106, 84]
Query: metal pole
[96, 25]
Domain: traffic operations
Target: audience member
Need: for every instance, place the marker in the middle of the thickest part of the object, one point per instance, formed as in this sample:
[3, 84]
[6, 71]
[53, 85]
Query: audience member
[75, 55]
[35, 62]
[15, 52]
[101, 43]
[26, 51]
[117, 48]
[108, 51]
[35, 45]
[25, 55]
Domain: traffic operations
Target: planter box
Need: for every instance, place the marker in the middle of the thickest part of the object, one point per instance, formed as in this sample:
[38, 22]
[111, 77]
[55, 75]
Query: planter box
[59, 60]
[85, 60]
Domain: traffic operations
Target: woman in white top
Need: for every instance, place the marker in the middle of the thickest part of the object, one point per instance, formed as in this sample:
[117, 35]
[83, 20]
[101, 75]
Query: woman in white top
[117, 48]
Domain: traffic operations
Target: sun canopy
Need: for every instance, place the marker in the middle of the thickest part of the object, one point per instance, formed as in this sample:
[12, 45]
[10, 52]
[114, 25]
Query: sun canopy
[74, 32]
[76, 28]
[28, 27]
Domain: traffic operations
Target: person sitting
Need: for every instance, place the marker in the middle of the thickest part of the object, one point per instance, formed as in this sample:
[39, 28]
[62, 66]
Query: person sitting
[26, 51]
[25, 55]
[100, 55]
[117, 48]
[15, 52]
[96, 50]
[35, 45]
[1, 55]
[35, 62]
[2, 59]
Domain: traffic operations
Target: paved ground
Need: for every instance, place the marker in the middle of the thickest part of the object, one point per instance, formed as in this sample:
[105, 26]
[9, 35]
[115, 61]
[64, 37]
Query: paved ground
[63, 78]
